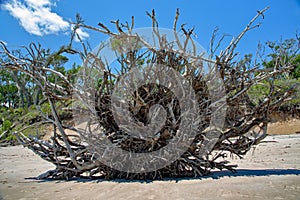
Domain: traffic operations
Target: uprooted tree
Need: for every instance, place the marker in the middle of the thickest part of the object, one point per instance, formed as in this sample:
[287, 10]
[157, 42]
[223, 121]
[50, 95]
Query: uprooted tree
[172, 90]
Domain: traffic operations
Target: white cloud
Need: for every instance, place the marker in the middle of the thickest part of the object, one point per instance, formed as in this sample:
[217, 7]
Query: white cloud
[38, 3]
[37, 18]
[82, 34]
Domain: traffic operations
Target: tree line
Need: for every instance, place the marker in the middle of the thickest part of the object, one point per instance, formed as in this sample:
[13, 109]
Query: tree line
[17, 90]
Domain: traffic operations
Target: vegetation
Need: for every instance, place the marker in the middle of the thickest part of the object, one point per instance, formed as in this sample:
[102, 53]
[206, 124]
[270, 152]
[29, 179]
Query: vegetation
[282, 52]
[21, 98]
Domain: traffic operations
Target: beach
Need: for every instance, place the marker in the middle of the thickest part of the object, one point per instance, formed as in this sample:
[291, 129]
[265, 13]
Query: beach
[269, 171]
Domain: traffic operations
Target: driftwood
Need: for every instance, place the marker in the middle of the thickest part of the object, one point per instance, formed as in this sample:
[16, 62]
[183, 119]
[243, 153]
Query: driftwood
[244, 122]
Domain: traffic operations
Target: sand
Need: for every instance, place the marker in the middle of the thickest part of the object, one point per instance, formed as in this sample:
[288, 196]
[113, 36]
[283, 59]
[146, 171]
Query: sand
[284, 127]
[272, 171]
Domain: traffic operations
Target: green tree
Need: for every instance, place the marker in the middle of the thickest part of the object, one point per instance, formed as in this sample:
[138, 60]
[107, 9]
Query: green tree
[8, 89]
[284, 52]
[296, 71]
[20, 90]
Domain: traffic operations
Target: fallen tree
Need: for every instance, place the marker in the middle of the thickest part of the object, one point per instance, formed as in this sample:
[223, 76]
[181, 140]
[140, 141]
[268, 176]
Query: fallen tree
[198, 103]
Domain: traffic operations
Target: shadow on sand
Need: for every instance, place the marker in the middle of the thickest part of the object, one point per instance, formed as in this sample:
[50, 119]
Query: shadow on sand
[255, 172]
[213, 175]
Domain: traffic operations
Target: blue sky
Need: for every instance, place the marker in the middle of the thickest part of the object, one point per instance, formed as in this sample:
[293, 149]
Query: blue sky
[45, 21]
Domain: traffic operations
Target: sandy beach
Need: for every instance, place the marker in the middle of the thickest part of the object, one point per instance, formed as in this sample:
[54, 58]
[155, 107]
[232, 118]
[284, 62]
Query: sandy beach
[270, 171]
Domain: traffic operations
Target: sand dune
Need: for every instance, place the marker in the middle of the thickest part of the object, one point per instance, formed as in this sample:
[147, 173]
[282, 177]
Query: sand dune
[272, 171]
